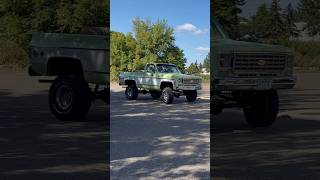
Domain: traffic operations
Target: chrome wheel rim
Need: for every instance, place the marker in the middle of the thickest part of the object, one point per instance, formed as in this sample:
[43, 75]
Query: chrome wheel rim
[64, 97]
[165, 96]
[130, 92]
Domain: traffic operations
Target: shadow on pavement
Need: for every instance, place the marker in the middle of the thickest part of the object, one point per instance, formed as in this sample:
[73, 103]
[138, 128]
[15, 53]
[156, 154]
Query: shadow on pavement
[35, 145]
[290, 149]
[150, 139]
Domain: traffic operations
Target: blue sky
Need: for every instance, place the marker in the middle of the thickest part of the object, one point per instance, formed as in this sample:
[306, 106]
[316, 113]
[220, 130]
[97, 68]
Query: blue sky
[190, 18]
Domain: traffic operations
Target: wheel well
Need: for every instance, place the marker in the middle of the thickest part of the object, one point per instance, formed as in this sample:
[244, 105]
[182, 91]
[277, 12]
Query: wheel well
[166, 84]
[64, 66]
[130, 82]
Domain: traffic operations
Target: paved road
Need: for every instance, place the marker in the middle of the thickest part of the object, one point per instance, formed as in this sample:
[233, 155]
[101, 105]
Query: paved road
[290, 149]
[152, 140]
[34, 145]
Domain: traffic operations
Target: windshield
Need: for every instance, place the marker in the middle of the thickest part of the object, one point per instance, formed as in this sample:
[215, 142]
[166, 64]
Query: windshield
[167, 68]
[218, 32]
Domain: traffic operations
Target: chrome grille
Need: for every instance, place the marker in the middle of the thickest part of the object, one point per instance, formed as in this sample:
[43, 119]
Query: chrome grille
[191, 81]
[257, 62]
[257, 75]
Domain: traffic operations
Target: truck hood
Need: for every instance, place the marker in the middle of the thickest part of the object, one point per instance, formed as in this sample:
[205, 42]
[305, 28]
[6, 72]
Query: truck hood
[178, 75]
[240, 46]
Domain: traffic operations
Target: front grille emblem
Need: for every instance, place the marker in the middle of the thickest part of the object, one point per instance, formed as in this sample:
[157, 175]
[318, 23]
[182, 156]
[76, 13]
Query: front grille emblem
[261, 62]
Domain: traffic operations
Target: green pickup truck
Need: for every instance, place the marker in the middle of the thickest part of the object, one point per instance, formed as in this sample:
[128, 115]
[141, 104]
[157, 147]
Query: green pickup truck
[248, 75]
[161, 80]
[80, 65]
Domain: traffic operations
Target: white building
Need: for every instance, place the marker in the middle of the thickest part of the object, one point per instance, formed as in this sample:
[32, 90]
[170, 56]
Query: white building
[304, 35]
[204, 71]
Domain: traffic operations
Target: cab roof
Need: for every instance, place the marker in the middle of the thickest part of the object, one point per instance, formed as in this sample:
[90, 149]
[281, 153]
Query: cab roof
[162, 63]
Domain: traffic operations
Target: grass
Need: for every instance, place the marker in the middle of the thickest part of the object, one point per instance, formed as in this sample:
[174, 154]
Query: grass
[307, 54]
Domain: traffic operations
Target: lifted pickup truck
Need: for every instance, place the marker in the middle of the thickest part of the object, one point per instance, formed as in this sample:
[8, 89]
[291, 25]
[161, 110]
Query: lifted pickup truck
[248, 75]
[163, 81]
[80, 64]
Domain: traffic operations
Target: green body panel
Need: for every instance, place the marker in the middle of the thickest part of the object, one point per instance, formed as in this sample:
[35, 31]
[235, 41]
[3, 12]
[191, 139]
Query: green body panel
[61, 40]
[91, 51]
[228, 45]
[173, 76]
[152, 81]
[225, 50]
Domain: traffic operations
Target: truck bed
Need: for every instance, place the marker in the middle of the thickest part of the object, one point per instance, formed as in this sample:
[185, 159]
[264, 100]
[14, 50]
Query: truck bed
[92, 51]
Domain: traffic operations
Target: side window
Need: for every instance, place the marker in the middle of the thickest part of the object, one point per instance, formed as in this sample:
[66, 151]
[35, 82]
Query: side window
[151, 68]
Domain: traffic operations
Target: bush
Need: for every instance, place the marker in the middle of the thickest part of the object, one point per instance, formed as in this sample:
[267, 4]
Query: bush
[13, 55]
[306, 53]
[205, 78]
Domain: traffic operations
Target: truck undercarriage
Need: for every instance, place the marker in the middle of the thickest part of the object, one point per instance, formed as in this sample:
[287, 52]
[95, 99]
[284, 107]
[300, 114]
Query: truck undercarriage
[260, 107]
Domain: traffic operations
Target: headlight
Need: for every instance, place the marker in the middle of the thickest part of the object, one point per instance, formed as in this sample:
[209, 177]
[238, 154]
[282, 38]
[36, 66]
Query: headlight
[180, 81]
[226, 60]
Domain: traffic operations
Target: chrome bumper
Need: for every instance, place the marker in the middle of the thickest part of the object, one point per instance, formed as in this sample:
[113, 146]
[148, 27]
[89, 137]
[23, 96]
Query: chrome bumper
[235, 84]
[189, 87]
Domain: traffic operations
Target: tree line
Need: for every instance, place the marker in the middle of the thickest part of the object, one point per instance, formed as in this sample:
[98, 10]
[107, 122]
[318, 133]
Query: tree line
[197, 68]
[270, 23]
[18, 19]
[275, 25]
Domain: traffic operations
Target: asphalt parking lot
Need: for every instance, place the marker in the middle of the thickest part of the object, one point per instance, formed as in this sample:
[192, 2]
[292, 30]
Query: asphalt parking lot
[152, 140]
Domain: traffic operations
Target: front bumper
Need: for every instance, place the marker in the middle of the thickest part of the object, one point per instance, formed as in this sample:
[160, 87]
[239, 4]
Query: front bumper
[189, 87]
[235, 84]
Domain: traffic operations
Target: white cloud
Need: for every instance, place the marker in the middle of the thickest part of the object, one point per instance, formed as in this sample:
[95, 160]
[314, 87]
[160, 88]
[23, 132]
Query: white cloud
[203, 49]
[190, 28]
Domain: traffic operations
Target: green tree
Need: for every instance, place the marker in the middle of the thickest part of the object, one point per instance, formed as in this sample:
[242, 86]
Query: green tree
[42, 18]
[15, 20]
[270, 25]
[206, 62]
[149, 42]
[18, 19]
[193, 68]
[200, 66]
[290, 17]
[277, 29]
[121, 53]
[155, 43]
[227, 12]
[64, 16]
[261, 22]
[309, 13]
[89, 13]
